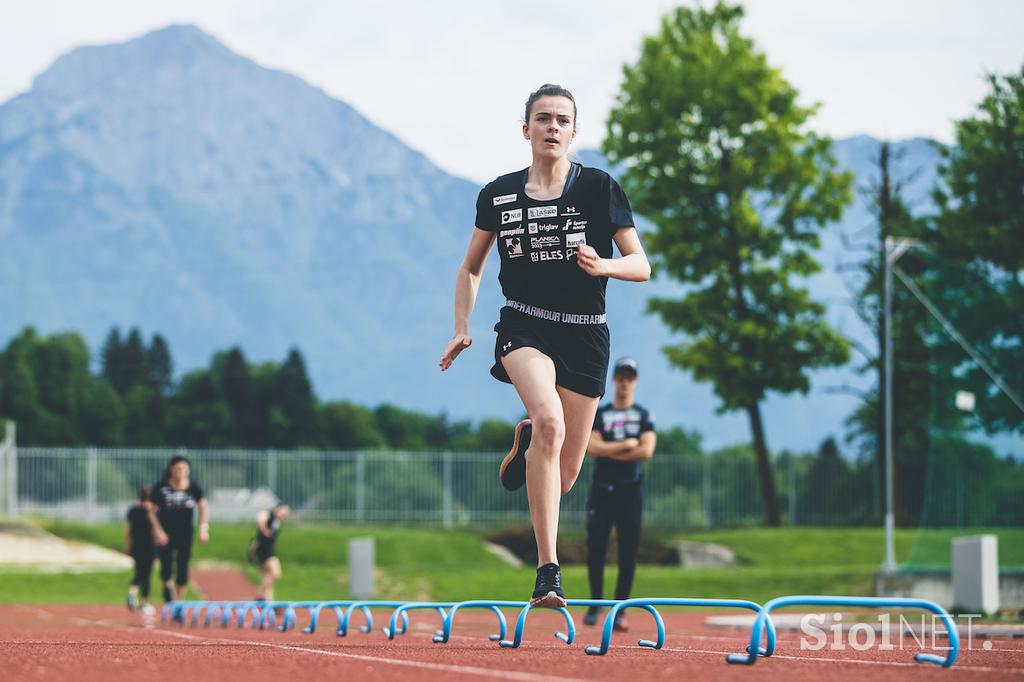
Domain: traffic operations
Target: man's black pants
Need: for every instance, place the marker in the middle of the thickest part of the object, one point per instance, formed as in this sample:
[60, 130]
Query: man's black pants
[620, 506]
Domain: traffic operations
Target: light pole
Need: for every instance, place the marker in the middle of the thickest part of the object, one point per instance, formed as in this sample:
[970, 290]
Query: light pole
[894, 249]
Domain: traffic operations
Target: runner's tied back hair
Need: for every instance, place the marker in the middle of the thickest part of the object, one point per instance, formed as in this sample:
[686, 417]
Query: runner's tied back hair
[550, 90]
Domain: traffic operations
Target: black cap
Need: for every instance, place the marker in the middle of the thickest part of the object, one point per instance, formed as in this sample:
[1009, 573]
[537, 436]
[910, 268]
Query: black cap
[625, 365]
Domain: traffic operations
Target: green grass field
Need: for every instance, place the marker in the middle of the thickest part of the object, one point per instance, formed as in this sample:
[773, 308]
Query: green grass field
[453, 565]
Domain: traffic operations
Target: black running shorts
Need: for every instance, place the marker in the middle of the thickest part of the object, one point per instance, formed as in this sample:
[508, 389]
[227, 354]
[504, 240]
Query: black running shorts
[579, 351]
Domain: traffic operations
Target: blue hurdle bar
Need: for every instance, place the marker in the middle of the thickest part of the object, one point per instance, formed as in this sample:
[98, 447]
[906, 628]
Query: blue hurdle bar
[391, 629]
[609, 621]
[365, 607]
[335, 606]
[870, 602]
[446, 630]
[289, 619]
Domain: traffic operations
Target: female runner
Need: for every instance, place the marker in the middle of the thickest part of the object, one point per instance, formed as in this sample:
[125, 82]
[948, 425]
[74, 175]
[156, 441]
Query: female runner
[554, 223]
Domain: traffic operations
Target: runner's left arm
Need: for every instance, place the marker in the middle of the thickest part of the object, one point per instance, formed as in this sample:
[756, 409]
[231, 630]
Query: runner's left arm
[631, 265]
[204, 521]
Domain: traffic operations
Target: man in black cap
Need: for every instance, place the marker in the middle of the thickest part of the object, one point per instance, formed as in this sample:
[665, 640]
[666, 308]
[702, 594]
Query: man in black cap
[623, 438]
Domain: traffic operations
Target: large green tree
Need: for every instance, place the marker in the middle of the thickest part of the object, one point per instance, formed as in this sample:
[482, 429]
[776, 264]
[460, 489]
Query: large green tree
[715, 152]
[979, 232]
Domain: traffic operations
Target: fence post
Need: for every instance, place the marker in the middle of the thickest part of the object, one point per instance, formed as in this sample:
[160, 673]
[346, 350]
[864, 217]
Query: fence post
[9, 462]
[792, 490]
[272, 471]
[90, 484]
[361, 486]
[706, 488]
[446, 500]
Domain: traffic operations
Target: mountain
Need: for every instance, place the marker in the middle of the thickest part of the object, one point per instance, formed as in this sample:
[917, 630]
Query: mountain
[169, 183]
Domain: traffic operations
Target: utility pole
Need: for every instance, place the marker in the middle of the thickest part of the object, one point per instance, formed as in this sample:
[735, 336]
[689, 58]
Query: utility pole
[895, 247]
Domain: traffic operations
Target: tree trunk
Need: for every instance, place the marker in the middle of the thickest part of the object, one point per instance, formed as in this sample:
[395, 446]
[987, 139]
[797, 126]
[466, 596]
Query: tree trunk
[764, 467]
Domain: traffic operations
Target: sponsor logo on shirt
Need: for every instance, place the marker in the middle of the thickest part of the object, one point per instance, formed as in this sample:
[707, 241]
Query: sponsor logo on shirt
[505, 199]
[542, 256]
[177, 499]
[515, 215]
[573, 225]
[511, 231]
[570, 210]
[573, 241]
[514, 247]
[545, 242]
[542, 212]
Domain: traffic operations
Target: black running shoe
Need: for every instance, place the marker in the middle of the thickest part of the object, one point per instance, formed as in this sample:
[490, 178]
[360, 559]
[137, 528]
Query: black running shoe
[547, 591]
[513, 468]
[132, 601]
[168, 597]
[590, 618]
[620, 624]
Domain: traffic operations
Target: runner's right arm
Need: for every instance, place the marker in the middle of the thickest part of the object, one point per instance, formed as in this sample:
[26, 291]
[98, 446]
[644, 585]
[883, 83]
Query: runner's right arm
[261, 523]
[467, 283]
[159, 535]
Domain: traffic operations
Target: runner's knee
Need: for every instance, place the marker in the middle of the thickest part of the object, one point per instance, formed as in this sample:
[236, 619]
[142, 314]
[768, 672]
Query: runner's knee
[549, 432]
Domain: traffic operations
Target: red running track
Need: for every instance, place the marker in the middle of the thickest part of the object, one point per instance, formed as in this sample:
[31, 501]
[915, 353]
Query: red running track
[94, 643]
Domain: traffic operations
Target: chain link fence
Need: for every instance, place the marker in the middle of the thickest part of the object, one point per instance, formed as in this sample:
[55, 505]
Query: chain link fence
[372, 486]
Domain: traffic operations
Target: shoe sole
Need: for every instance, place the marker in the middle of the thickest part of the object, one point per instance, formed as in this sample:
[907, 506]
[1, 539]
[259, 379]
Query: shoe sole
[519, 471]
[550, 601]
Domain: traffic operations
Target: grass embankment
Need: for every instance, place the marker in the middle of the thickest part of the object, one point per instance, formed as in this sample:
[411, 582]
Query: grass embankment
[453, 565]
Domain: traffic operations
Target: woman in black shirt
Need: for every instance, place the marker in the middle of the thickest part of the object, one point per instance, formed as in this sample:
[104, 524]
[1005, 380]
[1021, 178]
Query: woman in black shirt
[175, 498]
[554, 224]
[138, 541]
[264, 548]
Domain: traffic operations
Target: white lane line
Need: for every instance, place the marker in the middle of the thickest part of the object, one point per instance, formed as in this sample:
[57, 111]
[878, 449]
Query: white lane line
[495, 673]
[861, 661]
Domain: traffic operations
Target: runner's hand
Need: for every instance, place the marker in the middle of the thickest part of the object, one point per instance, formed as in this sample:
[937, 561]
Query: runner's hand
[161, 538]
[204, 536]
[592, 264]
[459, 343]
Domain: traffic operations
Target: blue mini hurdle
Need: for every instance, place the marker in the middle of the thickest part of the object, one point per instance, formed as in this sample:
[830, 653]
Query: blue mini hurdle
[764, 617]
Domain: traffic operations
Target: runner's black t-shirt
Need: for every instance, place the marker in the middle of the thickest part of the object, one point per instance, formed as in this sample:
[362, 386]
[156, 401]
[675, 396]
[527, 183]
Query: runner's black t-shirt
[140, 529]
[274, 526]
[616, 425]
[538, 240]
[174, 507]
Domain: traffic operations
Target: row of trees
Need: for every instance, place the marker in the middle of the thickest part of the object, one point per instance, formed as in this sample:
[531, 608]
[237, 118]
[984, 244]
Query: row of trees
[46, 385]
[48, 388]
[717, 153]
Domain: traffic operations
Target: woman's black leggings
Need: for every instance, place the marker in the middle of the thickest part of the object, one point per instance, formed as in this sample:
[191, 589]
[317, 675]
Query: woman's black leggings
[143, 570]
[179, 544]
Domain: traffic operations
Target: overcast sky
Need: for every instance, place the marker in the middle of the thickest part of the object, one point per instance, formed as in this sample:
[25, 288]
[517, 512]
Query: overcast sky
[449, 76]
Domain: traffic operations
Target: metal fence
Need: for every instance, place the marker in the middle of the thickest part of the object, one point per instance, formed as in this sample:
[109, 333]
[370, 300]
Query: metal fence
[430, 488]
[689, 490]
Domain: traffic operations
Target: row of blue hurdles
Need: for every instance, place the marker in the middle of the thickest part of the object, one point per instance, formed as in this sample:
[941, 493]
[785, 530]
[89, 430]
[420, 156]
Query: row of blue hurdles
[264, 615]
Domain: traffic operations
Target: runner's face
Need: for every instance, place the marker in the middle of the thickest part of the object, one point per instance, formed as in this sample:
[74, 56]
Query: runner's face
[180, 471]
[551, 128]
